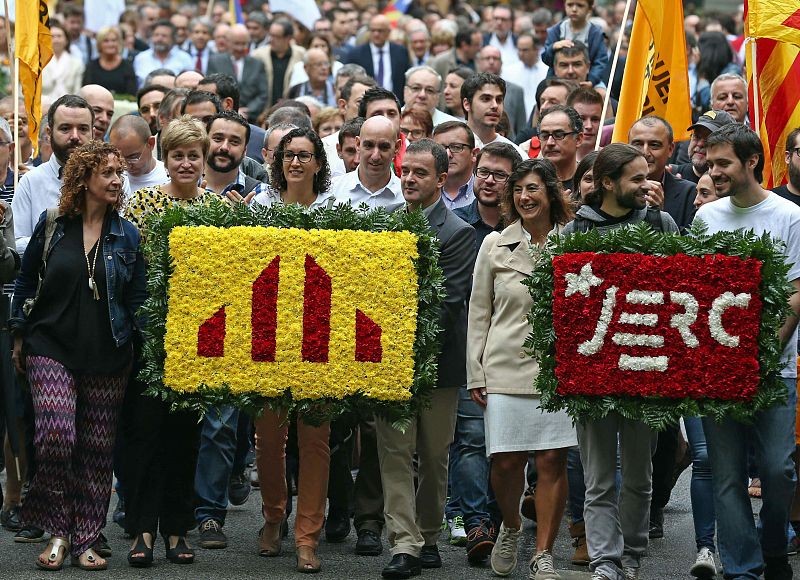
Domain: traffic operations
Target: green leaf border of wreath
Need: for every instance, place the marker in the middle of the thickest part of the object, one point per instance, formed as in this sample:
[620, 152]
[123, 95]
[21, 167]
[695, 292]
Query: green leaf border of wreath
[660, 413]
[340, 217]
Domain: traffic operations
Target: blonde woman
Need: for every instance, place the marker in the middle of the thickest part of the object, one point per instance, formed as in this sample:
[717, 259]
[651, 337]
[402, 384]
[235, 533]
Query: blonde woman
[109, 69]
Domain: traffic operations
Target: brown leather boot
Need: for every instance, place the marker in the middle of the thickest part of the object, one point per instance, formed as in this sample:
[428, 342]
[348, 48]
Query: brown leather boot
[578, 533]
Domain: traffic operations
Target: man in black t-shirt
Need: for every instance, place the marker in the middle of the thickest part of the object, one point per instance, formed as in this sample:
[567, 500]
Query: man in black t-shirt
[791, 190]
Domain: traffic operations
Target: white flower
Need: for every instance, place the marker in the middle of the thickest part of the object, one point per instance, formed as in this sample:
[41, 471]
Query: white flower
[643, 363]
[594, 345]
[684, 321]
[718, 308]
[582, 283]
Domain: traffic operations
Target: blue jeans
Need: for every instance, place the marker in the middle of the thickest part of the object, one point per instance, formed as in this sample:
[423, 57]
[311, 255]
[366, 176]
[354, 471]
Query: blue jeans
[772, 434]
[702, 487]
[577, 487]
[215, 463]
[468, 475]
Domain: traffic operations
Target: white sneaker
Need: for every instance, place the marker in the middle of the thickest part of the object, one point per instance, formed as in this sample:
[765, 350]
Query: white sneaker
[630, 573]
[704, 566]
[542, 567]
[504, 553]
[458, 535]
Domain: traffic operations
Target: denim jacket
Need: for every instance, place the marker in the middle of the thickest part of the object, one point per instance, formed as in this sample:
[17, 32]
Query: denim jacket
[125, 275]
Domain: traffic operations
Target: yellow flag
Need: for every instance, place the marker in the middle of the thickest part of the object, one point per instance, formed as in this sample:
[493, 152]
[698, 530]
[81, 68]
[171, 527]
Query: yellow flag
[34, 49]
[656, 79]
[777, 19]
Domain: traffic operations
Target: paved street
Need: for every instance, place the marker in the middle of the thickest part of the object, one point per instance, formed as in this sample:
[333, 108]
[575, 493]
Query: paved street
[668, 558]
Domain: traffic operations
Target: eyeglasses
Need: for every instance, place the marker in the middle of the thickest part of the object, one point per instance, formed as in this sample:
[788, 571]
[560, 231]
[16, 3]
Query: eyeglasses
[456, 147]
[136, 158]
[430, 91]
[302, 156]
[544, 136]
[413, 133]
[499, 176]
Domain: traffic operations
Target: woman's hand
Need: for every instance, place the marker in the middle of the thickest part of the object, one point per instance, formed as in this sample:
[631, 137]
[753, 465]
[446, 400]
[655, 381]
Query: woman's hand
[16, 356]
[479, 395]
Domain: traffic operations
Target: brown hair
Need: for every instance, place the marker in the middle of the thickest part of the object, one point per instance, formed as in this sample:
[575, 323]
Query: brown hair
[82, 162]
[422, 118]
[560, 208]
[184, 130]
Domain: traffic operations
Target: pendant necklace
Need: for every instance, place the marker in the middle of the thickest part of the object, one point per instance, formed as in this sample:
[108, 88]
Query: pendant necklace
[91, 267]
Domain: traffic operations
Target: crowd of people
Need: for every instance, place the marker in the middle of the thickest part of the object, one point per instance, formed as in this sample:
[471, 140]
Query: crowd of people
[488, 120]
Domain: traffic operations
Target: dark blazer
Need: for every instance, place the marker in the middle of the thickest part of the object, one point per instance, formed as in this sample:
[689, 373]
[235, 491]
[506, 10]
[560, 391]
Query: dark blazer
[457, 260]
[514, 106]
[256, 143]
[252, 93]
[679, 200]
[398, 54]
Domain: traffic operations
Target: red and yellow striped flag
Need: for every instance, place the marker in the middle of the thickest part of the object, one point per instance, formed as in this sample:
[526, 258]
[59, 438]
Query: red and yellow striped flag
[34, 49]
[773, 75]
[656, 79]
[776, 19]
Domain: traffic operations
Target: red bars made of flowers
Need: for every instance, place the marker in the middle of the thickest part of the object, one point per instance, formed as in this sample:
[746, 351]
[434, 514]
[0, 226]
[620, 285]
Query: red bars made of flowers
[211, 335]
[316, 313]
[264, 313]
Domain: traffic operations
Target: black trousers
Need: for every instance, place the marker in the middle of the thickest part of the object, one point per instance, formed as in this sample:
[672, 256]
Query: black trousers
[340, 478]
[161, 458]
[664, 465]
[368, 489]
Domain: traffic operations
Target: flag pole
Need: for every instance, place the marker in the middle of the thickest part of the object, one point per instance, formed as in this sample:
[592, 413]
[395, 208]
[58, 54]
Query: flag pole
[209, 10]
[15, 96]
[756, 111]
[607, 98]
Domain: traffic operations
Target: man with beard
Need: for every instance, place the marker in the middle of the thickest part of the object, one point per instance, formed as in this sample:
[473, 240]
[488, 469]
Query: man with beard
[102, 102]
[561, 133]
[148, 100]
[459, 142]
[791, 190]
[482, 97]
[164, 53]
[736, 163]
[69, 125]
[469, 467]
[708, 122]
[229, 133]
[617, 522]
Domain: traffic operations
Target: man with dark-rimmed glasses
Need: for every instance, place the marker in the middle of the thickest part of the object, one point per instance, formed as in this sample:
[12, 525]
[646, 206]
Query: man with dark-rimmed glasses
[459, 142]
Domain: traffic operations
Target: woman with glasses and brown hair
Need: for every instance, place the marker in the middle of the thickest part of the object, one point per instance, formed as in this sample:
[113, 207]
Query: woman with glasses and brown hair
[501, 378]
[75, 302]
[300, 174]
[416, 124]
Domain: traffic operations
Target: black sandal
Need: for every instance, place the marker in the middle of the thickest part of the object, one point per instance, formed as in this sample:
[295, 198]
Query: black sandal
[181, 553]
[140, 556]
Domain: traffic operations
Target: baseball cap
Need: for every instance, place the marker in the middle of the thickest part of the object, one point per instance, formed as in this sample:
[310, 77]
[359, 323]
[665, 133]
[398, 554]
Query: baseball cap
[713, 120]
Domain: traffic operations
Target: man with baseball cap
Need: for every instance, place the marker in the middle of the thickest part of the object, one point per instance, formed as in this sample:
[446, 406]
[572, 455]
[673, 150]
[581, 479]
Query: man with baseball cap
[707, 123]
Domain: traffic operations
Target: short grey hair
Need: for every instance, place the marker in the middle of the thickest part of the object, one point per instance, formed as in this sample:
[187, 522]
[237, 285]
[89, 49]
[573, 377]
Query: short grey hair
[203, 21]
[419, 29]
[351, 70]
[5, 129]
[277, 127]
[542, 16]
[310, 101]
[729, 77]
[426, 68]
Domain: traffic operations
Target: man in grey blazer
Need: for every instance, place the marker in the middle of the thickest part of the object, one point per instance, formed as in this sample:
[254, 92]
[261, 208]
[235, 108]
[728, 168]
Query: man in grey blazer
[490, 60]
[248, 72]
[413, 520]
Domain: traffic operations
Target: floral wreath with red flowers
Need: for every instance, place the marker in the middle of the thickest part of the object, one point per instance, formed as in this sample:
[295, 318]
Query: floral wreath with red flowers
[659, 326]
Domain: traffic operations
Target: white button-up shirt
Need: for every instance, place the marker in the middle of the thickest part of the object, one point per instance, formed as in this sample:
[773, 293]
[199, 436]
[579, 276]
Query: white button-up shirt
[348, 188]
[177, 61]
[527, 78]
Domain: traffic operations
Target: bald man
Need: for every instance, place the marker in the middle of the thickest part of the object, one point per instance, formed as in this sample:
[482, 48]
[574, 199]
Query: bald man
[248, 71]
[102, 102]
[373, 182]
[131, 135]
[384, 61]
[188, 79]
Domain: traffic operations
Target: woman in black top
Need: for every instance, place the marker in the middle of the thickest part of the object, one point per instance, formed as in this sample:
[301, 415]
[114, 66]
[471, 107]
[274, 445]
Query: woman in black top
[110, 69]
[81, 283]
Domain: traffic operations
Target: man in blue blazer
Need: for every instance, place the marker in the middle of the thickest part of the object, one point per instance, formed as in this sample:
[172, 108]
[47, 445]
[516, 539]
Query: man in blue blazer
[381, 58]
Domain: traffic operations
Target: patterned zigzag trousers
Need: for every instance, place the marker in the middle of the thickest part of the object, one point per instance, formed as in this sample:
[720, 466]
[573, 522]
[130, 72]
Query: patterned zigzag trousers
[76, 420]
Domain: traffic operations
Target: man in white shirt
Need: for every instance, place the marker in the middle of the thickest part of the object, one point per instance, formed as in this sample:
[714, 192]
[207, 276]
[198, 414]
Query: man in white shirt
[131, 135]
[373, 182]
[351, 95]
[164, 54]
[528, 72]
[735, 158]
[69, 125]
[482, 97]
[501, 35]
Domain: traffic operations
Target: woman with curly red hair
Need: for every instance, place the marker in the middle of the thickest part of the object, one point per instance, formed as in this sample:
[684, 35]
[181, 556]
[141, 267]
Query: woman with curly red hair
[81, 283]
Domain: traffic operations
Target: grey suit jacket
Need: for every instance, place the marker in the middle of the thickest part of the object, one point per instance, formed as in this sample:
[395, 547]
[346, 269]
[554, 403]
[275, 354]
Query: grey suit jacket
[514, 106]
[252, 89]
[457, 260]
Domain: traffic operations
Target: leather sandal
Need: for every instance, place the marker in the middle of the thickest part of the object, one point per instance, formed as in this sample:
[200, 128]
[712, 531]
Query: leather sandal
[181, 553]
[55, 556]
[93, 561]
[307, 561]
[269, 540]
[141, 555]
